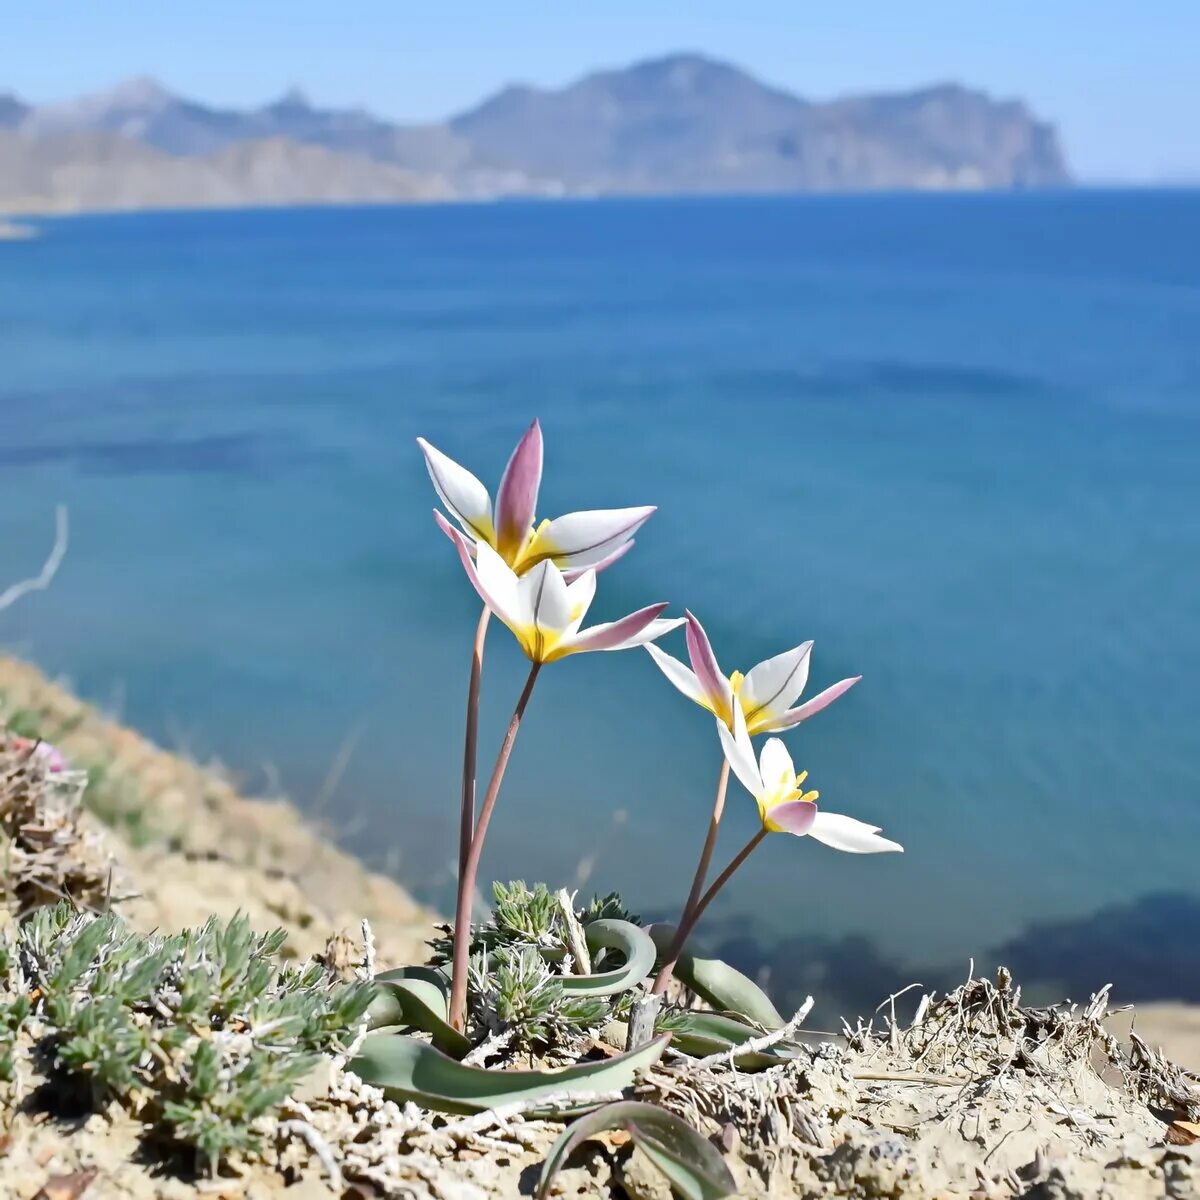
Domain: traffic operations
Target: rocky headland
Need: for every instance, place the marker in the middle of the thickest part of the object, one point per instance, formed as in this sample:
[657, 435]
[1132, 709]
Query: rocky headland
[683, 124]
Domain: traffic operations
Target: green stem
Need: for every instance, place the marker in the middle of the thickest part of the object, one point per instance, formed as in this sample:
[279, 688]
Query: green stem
[689, 921]
[466, 824]
[672, 956]
[466, 880]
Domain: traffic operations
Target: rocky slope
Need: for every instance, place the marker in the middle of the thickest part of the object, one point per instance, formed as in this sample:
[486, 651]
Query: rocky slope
[679, 124]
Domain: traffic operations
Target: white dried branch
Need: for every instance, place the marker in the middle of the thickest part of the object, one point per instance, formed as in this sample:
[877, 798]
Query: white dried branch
[492, 1044]
[43, 579]
[502, 1114]
[304, 1130]
[575, 935]
[754, 1045]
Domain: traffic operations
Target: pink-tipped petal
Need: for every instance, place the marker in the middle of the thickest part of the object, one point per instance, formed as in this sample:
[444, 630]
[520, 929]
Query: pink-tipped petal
[487, 577]
[684, 679]
[603, 565]
[632, 630]
[851, 836]
[465, 498]
[461, 544]
[453, 534]
[708, 672]
[516, 498]
[810, 707]
[797, 816]
[583, 539]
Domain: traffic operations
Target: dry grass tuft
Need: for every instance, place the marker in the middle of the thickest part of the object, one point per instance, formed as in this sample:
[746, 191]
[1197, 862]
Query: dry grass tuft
[48, 850]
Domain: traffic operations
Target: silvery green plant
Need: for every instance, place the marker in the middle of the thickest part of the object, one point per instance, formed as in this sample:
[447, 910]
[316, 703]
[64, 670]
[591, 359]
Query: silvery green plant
[200, 1034]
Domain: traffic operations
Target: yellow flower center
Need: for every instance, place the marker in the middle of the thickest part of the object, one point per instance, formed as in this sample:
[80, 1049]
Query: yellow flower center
[536, 547]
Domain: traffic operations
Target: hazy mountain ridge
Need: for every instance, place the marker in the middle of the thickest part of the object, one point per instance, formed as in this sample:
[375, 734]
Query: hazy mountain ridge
[685, 123]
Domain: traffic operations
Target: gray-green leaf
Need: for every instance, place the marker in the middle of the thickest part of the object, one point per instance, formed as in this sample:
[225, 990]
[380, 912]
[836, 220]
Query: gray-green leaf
[719, 984]
[691, 1164]
[408, 1069]
[633, 941]
[417, 996]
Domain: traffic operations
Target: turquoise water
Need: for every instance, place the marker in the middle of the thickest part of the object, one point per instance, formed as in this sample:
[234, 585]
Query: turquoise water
[955, 440]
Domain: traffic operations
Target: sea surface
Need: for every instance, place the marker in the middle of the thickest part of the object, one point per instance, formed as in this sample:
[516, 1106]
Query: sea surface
[955, 440]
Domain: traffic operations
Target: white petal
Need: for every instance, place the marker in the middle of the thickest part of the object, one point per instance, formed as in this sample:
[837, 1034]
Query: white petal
[845, 833]
[463, 494]
[740, 753]
[778, 771]
[544, 594]
[682, 677]
[581, 591]
[499, 587]
[584, 538]
[773, 686]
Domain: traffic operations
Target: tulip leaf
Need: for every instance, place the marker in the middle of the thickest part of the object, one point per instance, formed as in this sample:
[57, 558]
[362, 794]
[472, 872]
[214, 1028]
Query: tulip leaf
[692, 1165]
[408, 1069]
[703, 1033]
[719, 984]
[417, 997]
[632, 941]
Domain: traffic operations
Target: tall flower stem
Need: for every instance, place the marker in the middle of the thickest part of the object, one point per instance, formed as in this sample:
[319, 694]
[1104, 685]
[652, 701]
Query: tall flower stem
[466, 826]
[672, 956]
[688, 923]
[466, 880]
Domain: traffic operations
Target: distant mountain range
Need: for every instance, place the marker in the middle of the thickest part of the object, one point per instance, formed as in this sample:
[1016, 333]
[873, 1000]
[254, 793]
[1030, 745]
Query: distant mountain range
[681, 124]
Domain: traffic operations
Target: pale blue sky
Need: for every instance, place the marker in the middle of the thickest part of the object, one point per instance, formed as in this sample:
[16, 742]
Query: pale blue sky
[1120, 79]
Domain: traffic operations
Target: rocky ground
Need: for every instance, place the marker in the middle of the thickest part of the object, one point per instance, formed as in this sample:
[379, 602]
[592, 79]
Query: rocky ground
[979, 1096]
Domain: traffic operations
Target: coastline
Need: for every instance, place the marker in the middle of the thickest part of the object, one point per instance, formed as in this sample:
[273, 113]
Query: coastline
[190, 845]
[14, 231]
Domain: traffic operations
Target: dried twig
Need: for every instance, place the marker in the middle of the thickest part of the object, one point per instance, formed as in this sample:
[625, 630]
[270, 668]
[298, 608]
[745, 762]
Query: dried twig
[501, 1115]
[580, 957]
[756, 1044]
[43, 579]
[296, 1127]
[492, 1044]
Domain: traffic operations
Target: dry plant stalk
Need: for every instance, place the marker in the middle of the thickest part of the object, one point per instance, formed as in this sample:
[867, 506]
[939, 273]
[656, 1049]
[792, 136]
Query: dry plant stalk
[49, 851]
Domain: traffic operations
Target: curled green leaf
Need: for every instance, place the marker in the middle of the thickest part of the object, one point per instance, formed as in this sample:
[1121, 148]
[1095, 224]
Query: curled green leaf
[408, 1069]
[691, 1164]
[632, 941]
[719, 984]
[417, 997]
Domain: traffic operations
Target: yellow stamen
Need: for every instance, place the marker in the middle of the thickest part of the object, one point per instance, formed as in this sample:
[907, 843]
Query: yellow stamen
[536, 547]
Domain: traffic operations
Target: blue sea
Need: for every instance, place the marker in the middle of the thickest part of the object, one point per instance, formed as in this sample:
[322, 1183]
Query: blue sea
[955, 440]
